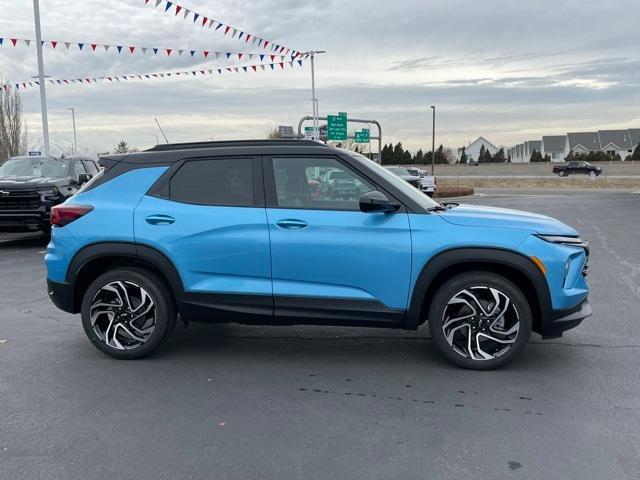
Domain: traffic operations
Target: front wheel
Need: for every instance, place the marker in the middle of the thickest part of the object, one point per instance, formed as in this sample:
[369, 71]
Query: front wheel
[562, 173]
[592, 174]
[128, 312]
[480, 320]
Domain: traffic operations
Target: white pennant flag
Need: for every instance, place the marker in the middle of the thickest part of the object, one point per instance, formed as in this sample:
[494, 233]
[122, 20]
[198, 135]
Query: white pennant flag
[186, 13]
[144, 50]
[262, 67]
[210, 71]
[28, 42]
[287, 51]
[236, 69]
[67, 45]
[210, 23]
[158, 2]
[255, 39]
[291, 64]
[250, 56]
[234, 33]
[217, 55]
[180, 52]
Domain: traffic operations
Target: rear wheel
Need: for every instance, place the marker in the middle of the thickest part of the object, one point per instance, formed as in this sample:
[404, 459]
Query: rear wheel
[562, 173]
[480, 320]
[128, 312]
[592, 174]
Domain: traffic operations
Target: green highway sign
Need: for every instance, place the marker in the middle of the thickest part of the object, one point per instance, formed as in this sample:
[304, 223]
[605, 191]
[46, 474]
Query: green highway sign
[337, 126]
[362, 136]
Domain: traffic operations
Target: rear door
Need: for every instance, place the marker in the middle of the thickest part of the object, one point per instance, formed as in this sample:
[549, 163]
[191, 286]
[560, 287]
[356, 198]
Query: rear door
[208, 217]
[330, 261]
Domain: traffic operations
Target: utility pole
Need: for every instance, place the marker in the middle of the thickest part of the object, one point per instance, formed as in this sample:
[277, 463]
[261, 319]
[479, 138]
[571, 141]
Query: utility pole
[314, 100]
[43, 91]
[75, 137]
[433, 140]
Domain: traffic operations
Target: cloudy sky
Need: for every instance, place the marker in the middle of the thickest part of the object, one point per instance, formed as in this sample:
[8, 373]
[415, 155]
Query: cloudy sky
[509, 70]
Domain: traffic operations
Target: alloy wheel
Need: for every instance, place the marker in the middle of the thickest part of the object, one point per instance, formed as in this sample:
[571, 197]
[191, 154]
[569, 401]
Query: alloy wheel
[123, 315]
[480, 323]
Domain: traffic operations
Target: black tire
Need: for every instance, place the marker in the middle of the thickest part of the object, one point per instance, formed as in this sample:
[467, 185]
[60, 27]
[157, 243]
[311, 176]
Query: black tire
[467, 282]
[155, 288]
[562, 173]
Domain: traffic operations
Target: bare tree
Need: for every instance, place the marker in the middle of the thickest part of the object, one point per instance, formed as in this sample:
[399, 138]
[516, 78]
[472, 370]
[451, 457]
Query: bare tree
[273, 134]
[12, 139]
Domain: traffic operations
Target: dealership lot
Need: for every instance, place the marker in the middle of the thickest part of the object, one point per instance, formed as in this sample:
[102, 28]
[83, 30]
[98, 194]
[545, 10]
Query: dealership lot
[248, 402]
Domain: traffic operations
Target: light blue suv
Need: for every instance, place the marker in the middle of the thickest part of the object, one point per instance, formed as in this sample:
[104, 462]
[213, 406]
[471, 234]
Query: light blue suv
[242, 232]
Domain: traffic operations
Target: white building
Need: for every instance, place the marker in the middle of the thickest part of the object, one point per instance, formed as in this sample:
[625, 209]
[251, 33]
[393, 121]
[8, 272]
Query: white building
[616, 142]
[473, 149]
[554, 146]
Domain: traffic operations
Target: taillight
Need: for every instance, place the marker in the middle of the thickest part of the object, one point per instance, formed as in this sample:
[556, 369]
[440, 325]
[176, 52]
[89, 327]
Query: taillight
[62, 215]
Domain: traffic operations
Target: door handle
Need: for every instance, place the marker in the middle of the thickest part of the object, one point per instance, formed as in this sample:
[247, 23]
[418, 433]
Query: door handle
[291, 224]
[159, 219]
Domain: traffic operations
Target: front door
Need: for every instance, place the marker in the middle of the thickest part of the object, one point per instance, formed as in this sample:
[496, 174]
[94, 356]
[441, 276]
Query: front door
[330, 261]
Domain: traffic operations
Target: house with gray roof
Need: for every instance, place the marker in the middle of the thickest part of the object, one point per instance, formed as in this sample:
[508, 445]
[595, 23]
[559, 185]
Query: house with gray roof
[530, 147]
[554, 146]
[616, 142]
[634, 134]
[582, 142]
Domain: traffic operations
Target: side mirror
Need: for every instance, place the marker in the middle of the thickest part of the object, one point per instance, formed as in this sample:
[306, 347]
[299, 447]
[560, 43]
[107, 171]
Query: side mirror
[377, 202]
[84, 178]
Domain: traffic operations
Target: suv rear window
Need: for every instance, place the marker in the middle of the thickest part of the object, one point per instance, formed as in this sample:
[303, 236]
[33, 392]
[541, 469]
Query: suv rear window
[225, 182]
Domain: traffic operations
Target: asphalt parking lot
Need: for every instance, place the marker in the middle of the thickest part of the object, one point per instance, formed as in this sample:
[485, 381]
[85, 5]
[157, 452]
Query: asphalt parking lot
[244, 402]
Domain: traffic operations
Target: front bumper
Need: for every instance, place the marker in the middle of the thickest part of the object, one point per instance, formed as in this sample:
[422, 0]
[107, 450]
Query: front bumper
[24, 221]
[61, 294]
[563, 320]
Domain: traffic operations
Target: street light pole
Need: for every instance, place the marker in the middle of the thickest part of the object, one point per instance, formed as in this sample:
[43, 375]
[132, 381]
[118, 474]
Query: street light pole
[75, 136]
[314, 100]
[43, 91]
[433, 140]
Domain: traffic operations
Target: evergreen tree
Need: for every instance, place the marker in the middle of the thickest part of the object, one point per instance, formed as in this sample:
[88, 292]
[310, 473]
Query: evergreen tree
[387, 155]
[499, 156]
[481, 154]
[463, 157]
[122, 147]
[418, 159]
[536, 156]
[398, 152]
[406, 158]
[488, 158]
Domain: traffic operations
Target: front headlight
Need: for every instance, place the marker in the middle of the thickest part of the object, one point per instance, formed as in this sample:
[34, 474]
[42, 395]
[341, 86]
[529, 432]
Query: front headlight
[564, 240]
[49, 192]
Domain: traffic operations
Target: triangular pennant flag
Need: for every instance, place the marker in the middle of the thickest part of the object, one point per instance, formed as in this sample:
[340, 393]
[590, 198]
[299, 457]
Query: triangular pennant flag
[240, 56]
[110, 79]
[206, 54]
[192, 52]
[248, 37]
[272, 57]
[144, 50]
[155, 51]
[211, 23]
[210, 71]
[28, 42]
[81, 46]
[255, 39]
[204, 21]
[266, 42]
[67, 45]
[168, 6]
[202, 72]
[168, 52]
[94, 46]
[261, 56]
[106, 47]
[119, 47]
[217, 55]
[229, 69]
[186, 13]
[180, 52]
[250, 56]
[193, 73]
[1, 40]
[244, 68]
[262, 67]
[219, 71]
[158, 2]
[195, 17]
[226, 30]
[272, 66]
[290, 64]
[300, 62]
[281, 65]
[178, 8]
[147, 76]
[219, 25]
[131, 49]
[14, 41]
[234, 33]
[54, 44]
[254, 67]
[228, 55]
[240, 36]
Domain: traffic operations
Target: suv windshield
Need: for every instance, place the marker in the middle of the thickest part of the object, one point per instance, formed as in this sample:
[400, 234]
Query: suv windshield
[400, 184]
[399, 171]
[35, 167]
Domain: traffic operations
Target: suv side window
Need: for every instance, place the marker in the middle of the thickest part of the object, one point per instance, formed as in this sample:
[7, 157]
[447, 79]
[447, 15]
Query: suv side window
[76, 169]
[91, 167]
[317, 183]
[223, 182]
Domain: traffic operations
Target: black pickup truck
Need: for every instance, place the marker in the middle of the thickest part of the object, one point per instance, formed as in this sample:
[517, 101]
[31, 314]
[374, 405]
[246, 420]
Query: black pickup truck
[577, 167]
[30, 186]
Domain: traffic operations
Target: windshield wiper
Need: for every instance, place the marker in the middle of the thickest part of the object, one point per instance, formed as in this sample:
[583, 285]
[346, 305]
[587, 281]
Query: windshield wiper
[437, 208]
[450, 204]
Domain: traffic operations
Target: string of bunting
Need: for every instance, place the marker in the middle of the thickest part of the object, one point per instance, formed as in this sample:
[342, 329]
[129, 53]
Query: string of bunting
[130, 49]
[152, 76]
[171, 7]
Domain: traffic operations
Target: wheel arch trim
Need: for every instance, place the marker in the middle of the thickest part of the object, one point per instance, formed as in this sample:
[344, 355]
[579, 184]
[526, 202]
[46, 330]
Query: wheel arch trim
[479, 255]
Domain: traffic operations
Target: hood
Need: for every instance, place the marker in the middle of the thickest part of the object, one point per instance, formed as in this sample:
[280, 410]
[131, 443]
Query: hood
[478, 216]
[13, 182]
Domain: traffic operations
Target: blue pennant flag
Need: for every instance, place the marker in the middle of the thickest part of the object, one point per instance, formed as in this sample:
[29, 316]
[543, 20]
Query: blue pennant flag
[261, 57]
[168, 6]
[240, 36]
[1, 40]
[194, 73]
[219, 25]
[193, 52]
[119, 47]
[271, 65]
[195, 16]
[147, 76]
[300, 62]
[244, 68]
[155, 51]
[219, 70]
[228, 55]
[80, 45]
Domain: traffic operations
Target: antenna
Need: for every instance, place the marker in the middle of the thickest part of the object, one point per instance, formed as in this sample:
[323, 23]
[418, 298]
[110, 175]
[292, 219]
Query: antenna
[161, 131]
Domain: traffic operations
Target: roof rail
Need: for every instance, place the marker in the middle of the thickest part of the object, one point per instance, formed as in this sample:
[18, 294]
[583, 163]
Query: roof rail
[231, 143]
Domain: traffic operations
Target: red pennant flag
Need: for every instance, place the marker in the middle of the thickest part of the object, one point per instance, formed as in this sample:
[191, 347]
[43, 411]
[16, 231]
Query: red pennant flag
[93, 46]
[226, 30]
[168, 52]
[14, 41]
[66, 81]
[266, 42]
[131, 49]
[202, 72]
[178, 8]
[204, 21]
[229, 69]
[272, 57]
[281, 65]
[248, 37]
[206, 54]
[254, 67]
[110, 79]
[54, 44]
[240, 56]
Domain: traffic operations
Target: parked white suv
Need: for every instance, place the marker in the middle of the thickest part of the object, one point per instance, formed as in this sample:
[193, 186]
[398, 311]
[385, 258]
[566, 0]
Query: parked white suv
[427, 182]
